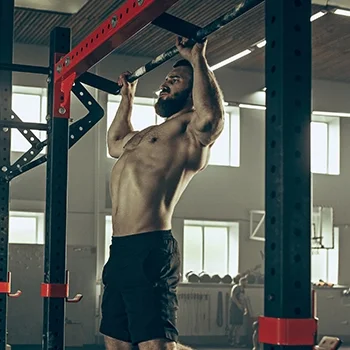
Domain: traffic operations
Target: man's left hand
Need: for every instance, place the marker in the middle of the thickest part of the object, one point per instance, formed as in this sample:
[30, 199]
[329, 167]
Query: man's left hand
[190, 51]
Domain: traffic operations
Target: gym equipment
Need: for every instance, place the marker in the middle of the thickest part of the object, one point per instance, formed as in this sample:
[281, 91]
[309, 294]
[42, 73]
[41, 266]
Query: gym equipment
[204, 277]
[192, 277]
[227, 279]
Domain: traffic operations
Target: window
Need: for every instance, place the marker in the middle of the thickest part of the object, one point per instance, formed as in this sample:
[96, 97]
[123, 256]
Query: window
[26, 228]
[30, 106]
[211, 247]
[225, 151]
[325, 262]
[325, 145]
[108, 236]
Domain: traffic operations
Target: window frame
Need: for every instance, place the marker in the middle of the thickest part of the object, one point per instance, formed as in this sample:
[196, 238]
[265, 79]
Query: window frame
[333, 143]
[40, 224]
[42, 94]
[232, 263]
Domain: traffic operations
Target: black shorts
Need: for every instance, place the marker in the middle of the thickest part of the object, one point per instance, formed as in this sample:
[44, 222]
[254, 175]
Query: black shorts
[140, 284]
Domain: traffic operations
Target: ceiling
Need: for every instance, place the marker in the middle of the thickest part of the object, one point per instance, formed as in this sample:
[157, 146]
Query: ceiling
[331, 34]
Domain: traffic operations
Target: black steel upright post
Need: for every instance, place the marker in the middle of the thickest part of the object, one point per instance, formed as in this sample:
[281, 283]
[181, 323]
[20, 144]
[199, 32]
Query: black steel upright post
[288, 178]
[6, 55]
[56, 203]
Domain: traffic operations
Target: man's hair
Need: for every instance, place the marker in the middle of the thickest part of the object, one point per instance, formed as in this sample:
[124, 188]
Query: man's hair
[185, 63]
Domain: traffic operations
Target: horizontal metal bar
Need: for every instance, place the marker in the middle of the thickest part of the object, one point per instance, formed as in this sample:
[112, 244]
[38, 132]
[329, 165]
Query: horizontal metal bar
[100, 83]
[119, 27]
[22, 125]
[236, 12]
[176, 25]
[24, 68]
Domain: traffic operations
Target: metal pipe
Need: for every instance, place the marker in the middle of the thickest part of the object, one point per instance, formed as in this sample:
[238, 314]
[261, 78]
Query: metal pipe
[24, 68]
[12, 124]
[237, 11]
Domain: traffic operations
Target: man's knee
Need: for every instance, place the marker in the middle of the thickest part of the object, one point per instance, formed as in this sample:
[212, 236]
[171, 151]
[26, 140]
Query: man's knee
[115, 344]
[162, 344]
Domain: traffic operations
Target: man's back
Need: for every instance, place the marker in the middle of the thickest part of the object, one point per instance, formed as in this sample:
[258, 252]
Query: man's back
[152, 173]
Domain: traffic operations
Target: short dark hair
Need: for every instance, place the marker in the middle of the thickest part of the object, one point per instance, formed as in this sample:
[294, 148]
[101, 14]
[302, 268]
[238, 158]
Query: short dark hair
[185, 63]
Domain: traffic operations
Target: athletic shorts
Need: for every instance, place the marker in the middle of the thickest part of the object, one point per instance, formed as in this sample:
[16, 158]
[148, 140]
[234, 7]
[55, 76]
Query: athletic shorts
[140, 283]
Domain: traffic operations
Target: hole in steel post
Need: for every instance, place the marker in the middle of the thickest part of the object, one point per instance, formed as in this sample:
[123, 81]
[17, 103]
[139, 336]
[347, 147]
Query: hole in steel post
[297, 154]
[273, 194]
[297, 103]
[121, 16]
[273, 169]
[273, 69]
[273, 118]
[273, 144]
[272, 271]
[103, 31]
[273, 246]
[297, 53]
[297, 3]
[134, 4]
[297, 206]
[273, 93]
[273, 44]
[273, 19]
[127, 10]
[297, 284]
[297, 28]
[298, 78]
[297, 311]
[297, 258]
[273, 220]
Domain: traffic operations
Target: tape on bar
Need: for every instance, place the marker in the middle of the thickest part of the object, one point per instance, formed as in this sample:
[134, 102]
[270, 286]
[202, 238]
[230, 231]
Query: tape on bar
[285, 331]
[54, 290]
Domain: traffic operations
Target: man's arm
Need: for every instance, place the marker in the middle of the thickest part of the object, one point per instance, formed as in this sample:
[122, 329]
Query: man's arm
[208, 120]
[121, 130]
[209, 115]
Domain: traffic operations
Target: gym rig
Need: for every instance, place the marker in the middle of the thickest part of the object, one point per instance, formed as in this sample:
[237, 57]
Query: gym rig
[288, 319]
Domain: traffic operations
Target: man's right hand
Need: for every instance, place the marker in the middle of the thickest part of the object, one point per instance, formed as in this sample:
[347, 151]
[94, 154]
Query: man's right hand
[128, 89]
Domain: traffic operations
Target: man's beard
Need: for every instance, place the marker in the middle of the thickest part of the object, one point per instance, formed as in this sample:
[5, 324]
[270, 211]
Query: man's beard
[165, 108]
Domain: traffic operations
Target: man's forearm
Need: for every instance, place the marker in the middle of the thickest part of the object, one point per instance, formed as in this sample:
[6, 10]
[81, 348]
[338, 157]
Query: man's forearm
[207, 96]
[121, 125]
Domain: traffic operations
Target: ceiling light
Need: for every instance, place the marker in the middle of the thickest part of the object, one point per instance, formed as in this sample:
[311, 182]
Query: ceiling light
[342, 12]
[331, 114]
[231, 59]
[317, 15]
[248, 106]
[261, 44]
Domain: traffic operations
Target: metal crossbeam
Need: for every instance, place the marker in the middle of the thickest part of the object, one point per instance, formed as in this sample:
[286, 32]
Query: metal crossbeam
[119, 27]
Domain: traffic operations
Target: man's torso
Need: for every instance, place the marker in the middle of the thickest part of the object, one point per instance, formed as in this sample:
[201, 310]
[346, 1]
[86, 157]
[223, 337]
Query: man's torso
[151, 175]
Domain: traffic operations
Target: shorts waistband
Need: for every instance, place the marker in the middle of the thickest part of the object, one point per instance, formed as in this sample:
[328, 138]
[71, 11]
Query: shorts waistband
[139, 237]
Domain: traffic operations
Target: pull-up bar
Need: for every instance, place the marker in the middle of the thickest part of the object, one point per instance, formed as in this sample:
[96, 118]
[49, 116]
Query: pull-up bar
[199, 35]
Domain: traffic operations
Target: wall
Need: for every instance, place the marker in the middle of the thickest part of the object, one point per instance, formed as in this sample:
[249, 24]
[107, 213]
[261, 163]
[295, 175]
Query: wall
[218, 193]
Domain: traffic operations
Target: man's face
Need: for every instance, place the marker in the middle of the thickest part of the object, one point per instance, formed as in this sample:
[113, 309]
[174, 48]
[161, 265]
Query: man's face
[176, 91]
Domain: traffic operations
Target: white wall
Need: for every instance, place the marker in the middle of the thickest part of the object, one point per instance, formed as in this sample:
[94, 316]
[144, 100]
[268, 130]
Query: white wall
[218, 193]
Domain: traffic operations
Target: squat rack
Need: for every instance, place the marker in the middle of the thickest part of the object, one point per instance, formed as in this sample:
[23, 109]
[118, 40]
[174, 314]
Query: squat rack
[288, 117]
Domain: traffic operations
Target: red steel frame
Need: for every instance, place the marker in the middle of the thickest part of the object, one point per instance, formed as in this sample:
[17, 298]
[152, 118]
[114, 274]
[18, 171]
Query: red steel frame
[119, 27]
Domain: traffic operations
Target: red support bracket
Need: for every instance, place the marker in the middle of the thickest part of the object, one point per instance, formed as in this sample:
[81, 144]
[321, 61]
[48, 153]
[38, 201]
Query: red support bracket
[285, 331]
[5, 288]
[59, 290]
[119, 27]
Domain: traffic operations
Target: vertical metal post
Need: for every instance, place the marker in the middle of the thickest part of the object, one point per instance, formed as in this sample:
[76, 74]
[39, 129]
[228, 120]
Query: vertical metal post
[288, 178]
[56, 203]
[6, 53]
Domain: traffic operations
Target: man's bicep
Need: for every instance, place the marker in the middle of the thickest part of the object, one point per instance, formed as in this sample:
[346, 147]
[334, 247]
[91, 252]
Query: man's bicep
[205, 129]
[116, 147]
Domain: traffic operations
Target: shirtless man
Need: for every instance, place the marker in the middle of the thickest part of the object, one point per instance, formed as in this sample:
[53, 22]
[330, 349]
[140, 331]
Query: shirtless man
[154, 167]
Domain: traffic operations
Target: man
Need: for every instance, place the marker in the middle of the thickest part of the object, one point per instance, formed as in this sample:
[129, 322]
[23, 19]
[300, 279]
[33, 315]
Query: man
[238, 309]
[153, 169]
